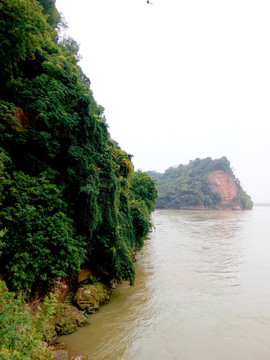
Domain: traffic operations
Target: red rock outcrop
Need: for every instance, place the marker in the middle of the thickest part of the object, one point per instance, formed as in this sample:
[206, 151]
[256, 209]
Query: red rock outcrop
[20, 120]
[222, 183]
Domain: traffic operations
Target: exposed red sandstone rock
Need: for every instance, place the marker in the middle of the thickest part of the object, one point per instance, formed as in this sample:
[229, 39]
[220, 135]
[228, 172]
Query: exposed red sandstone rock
[62, 288]
[21, 120]
[222, 183]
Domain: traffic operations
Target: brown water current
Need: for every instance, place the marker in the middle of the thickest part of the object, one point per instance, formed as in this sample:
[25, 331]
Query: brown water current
[202, 292]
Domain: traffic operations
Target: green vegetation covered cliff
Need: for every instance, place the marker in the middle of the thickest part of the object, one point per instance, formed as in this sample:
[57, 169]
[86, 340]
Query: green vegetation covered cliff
[69, 196]
[202, 184]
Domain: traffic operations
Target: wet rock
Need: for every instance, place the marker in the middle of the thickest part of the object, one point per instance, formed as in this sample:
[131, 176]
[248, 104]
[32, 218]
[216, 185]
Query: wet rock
[90, 297]
[113, 285]
[68, 318]
[60, 354]
[51, 335]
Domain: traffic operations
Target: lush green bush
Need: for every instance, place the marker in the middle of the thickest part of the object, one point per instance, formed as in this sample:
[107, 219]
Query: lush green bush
[143, 195]
[22, 334]
[141, 222]
[40, 242]
[144, 188]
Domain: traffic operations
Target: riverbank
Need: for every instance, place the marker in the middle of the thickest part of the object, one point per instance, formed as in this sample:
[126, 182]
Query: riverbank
[73, 309]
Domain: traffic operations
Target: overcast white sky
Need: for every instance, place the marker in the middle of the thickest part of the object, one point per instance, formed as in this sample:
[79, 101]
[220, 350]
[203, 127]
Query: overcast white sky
[181, 79]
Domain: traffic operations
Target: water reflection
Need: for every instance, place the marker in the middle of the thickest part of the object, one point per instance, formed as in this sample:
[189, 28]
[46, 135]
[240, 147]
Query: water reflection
[202, 292]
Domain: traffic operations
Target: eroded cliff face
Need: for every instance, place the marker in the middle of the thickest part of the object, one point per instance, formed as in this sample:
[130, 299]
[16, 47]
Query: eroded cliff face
[222, 183]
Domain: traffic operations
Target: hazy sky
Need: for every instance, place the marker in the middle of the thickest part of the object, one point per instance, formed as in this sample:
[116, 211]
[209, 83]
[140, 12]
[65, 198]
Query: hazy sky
[181, 79]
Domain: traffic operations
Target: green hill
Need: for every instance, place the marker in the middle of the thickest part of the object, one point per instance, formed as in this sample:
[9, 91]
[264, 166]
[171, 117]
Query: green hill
[202, 184]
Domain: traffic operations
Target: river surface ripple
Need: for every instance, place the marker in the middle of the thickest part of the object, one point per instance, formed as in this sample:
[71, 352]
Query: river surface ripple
[202, 292]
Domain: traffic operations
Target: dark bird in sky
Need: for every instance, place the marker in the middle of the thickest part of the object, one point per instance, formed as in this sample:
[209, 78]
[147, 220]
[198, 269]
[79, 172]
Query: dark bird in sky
[148, 2]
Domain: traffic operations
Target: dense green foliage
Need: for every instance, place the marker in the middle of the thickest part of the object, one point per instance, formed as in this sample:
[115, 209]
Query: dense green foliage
[38, 229]
[68, 194]
[187, 186]
[143, 196]
[21, 333]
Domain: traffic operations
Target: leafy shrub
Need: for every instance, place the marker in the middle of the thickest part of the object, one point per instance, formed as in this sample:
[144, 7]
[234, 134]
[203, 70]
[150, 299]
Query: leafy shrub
[22, 334]
[141, 221]
[40, 243]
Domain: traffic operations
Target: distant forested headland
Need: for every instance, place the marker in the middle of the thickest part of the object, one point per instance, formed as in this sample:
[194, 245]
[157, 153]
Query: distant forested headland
[202, 184]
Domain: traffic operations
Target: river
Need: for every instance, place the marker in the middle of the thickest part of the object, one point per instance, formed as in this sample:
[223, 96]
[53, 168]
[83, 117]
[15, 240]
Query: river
[202, 292]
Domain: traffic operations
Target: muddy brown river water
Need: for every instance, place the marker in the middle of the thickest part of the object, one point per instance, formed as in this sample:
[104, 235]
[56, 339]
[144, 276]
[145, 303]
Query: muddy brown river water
[202, 293]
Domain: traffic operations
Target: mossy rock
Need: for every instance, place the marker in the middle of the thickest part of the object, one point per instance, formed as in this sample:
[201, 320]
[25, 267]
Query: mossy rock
[68, 318]
[90, 297]
[60, 354]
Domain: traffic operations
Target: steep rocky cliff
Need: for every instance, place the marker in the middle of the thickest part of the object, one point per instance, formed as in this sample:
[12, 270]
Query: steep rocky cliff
[223, 184]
